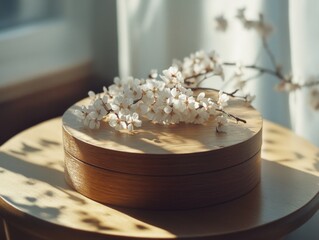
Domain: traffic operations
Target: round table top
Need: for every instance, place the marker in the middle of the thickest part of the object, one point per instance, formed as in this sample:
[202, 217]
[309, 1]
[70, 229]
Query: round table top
[33, 192]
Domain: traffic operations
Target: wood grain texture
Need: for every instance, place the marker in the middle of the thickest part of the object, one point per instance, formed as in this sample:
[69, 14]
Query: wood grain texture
[166, 150]
[162, 192]
[35, 196]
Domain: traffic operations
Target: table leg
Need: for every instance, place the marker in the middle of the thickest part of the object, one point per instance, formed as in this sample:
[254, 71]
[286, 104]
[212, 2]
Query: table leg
[11, 232]
[4, 232]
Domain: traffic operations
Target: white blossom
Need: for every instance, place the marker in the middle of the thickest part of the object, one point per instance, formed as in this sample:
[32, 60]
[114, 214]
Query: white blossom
[91, 122]
[222, 100]
[134, 93]
[221, 23]
[151, 90]
[219, 71]
[121, 104]
[153, 74]
[163, 102]
[314, 99]
[286, 86]
[117, 121]
[94, 124]
[81, 114]
[250, 98]
[221, 122]
[106, 102]
[201, 116]
[105, 91]
[191, 103]
[117, 82]
[91, 95]
[148, 111]
[201, 96]
[195, 67]
[211, 107]
[133, 121]
[172, 77]
[98, 109]
[262, 28]
[171, 117]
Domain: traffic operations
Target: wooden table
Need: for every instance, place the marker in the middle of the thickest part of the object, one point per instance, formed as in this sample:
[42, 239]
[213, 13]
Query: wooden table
[36, 200]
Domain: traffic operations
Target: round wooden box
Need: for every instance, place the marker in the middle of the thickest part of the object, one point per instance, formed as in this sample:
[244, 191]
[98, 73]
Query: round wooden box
[164, 167]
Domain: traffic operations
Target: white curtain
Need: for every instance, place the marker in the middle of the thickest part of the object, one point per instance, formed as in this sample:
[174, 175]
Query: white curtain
[152, 33]
[304, 34]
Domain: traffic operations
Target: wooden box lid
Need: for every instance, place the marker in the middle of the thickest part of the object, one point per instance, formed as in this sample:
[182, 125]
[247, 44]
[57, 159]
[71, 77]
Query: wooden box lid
[166, 150]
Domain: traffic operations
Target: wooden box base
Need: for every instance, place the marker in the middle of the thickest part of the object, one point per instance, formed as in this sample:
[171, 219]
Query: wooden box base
[162, 192]
[164, 167]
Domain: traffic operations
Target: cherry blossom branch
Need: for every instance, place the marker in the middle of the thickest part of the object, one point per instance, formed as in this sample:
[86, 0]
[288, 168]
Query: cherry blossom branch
[206, 75]
[263, 29]
[232, 94]
[262, 70]
[232, 116]
[310, 84]
[269, 52]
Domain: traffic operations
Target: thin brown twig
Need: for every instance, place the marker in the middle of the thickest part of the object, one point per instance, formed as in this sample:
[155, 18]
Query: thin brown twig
[196, 76]
[258, 68]
[269, 52]
[232, 94]
[232, 116]
[261, 70]
[309, 84]
[205, 74]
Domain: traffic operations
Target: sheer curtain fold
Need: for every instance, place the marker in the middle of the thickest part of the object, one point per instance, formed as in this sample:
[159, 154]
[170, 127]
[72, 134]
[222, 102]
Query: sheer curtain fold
[152, 33]
[304, 35]
[142, 27]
